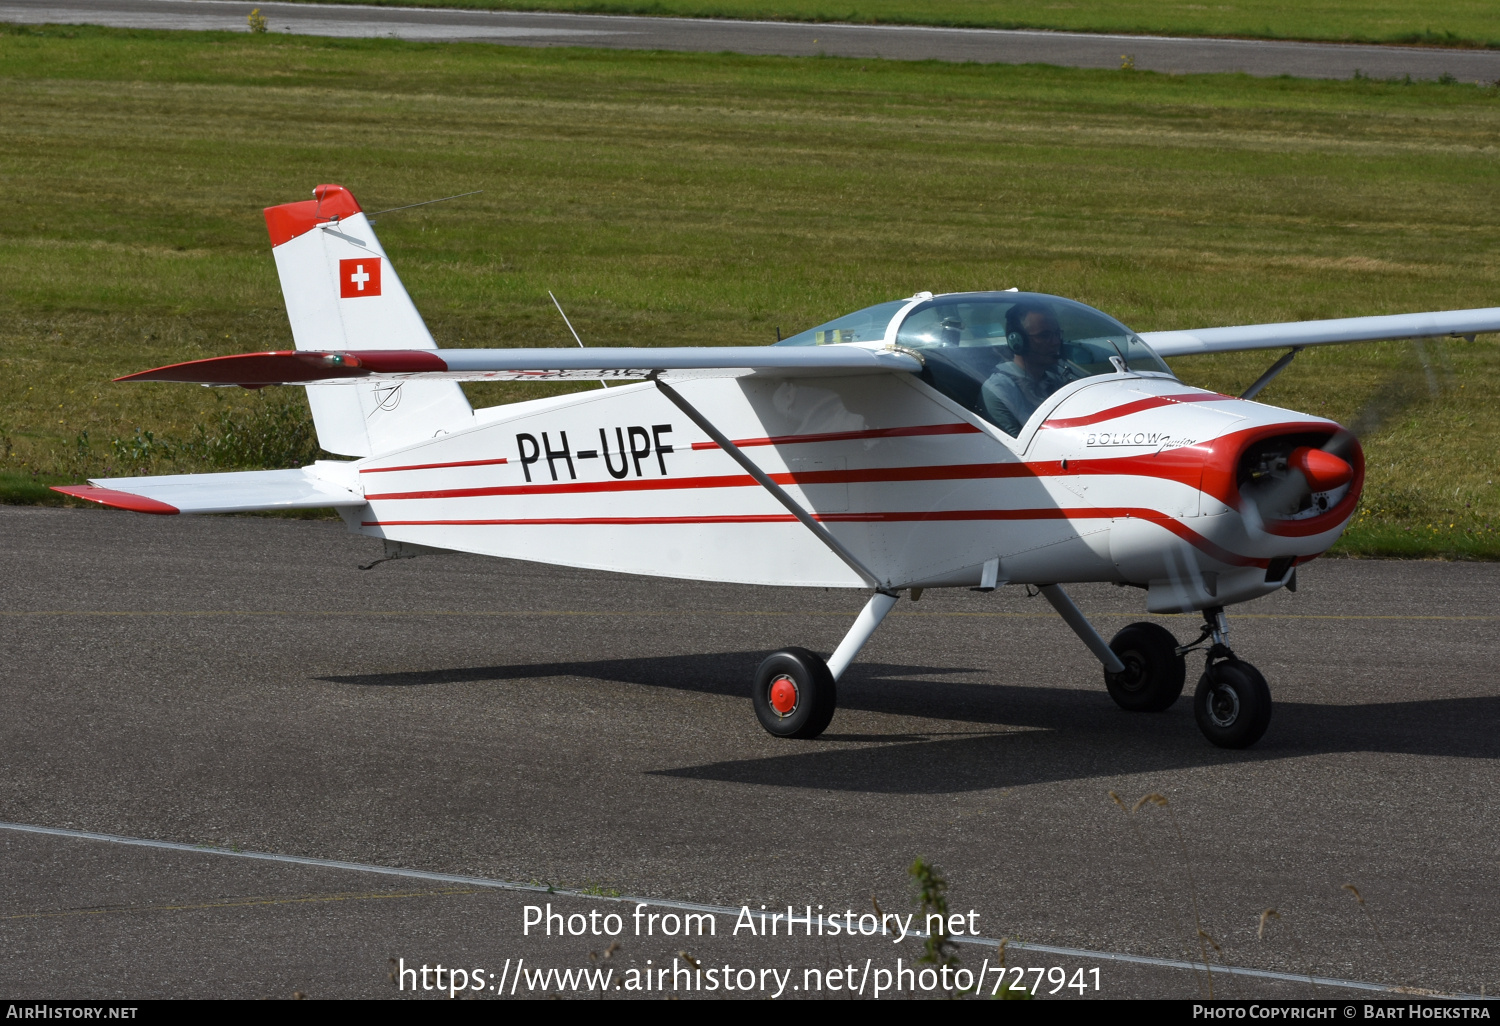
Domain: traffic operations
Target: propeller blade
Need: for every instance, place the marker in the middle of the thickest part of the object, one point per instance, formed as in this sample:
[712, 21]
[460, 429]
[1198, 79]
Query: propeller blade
[1326, 467]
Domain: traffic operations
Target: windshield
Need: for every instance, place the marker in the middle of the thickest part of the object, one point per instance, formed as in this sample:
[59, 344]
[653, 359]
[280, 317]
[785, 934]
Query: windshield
[1001, 354]
[867, 325]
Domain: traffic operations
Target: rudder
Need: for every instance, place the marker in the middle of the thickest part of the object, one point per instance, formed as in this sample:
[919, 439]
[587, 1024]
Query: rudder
[341, 292]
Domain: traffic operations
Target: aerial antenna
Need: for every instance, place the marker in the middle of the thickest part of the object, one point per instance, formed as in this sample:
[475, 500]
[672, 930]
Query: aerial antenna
[424, 203]
[602, 382]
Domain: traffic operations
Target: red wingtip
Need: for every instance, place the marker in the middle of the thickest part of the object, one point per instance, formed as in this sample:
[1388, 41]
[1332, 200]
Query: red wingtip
[289, 220]
[116, 500]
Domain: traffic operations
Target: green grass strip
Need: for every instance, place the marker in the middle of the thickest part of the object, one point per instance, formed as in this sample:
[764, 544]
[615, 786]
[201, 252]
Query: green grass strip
[712, 199]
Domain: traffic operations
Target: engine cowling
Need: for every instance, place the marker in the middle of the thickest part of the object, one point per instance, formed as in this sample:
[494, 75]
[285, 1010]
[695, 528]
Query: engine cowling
[1299, 482]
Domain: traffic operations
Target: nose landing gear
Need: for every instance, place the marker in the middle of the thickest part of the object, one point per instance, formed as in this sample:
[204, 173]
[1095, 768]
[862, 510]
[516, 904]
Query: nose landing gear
[1232, 703]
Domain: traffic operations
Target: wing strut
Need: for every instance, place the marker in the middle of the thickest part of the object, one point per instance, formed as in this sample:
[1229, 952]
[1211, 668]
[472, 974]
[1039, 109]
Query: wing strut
[1075, 619]
[1271, 372]
[775, 489]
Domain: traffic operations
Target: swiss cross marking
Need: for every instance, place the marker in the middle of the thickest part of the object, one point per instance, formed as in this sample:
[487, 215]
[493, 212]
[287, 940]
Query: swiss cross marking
[359, 277]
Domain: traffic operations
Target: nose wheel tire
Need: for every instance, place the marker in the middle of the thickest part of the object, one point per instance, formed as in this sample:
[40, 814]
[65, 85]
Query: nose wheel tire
[1232, 704]
[794, 694]
[1154, 672]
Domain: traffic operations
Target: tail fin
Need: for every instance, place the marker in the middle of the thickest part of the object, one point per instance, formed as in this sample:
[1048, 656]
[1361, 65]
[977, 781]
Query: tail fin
[342, 293]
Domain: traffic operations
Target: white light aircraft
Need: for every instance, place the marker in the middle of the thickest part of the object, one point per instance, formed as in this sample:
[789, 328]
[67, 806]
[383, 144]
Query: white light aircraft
[967, 440]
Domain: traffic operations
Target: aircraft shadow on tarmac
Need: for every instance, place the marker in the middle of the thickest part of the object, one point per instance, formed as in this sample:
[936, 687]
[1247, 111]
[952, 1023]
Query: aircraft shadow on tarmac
[1024, 734]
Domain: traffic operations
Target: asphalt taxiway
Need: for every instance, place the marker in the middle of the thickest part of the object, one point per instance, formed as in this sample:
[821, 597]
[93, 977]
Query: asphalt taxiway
[706, 35]
[241, 683]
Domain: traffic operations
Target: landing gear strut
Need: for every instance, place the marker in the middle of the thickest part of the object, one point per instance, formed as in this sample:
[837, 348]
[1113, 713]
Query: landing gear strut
[794, 693]
[1144, 672]
[1232, 703]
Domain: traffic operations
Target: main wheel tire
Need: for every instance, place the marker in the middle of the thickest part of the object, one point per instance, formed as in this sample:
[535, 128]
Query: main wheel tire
[1154, 672]
[794, 694]
[1233, 704]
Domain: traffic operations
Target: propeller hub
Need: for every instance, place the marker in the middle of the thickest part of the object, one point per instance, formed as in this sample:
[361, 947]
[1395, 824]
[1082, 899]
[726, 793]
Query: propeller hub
[1323, 470]
[1299, 482]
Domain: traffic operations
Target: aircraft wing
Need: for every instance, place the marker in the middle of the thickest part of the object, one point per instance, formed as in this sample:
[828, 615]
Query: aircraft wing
[1322, 333]
[305, 367]
[301, 488]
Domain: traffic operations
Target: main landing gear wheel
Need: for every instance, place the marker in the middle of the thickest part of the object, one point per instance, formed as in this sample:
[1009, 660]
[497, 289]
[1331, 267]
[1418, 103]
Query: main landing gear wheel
[1232, 703]
[794, 694]
[1154, 672]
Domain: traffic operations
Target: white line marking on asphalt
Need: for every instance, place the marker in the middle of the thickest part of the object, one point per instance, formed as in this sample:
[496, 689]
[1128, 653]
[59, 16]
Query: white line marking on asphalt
[692, 906]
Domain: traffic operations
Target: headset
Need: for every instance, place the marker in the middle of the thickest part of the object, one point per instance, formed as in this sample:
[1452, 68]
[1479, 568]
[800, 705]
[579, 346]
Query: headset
[1015, 334]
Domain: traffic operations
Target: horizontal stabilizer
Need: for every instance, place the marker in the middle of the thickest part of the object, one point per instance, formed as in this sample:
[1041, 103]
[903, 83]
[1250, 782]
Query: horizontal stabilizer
[1321, 333]
[245, 492]
[254, 370]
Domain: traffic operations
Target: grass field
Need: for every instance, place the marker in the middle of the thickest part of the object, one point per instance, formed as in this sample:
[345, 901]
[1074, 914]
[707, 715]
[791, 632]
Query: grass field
[1452, 23]
[695, 199]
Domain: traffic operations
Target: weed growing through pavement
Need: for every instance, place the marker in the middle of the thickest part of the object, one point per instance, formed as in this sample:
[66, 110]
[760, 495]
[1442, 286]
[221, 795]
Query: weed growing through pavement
[932, 898]
[618, 981]
[1204, 940]
[940, 951]
[1370, 918]
[1270, 915]
[1160, 800]
[1140, 840]
[1007, 992]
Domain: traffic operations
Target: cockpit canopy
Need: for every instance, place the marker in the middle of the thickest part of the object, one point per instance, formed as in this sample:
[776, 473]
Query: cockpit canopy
[998, 354]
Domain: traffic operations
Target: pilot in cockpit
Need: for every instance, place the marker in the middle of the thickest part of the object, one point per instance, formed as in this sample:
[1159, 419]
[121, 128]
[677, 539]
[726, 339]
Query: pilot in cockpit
[1019, 386]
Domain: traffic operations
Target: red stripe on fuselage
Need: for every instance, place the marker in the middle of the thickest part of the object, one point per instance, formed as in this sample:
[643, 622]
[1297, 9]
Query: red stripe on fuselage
[436, 466]
[732, 518]
[1182, 531]
[844, 436]
[1209, 467]
[1136, 407]
[975, 471]
[1212, 467]
[1185, 465]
